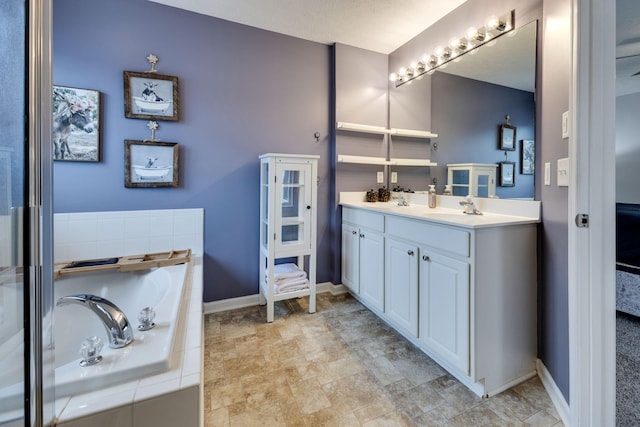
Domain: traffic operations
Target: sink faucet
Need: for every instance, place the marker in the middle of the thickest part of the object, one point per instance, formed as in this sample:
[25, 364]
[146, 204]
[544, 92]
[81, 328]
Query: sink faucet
[469, 206]
[118, 327]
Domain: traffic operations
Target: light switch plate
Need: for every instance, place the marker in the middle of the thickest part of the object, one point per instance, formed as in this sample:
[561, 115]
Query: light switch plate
[380, 177]
[394, 177]
[565, 125]
[563, 172]
[547, 173]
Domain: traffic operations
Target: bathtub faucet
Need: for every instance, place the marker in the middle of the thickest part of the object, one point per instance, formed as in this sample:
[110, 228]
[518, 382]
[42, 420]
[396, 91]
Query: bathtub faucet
[118, 327]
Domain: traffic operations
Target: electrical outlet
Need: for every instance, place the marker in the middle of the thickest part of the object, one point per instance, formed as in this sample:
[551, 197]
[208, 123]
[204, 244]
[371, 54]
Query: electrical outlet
[565, 125]
[394, 177]
[563, 172]
[547, 173]
[380, 177]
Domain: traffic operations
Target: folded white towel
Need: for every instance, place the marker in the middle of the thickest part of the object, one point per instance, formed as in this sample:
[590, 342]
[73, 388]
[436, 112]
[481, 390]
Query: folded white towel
[283, 272]
[291, 285]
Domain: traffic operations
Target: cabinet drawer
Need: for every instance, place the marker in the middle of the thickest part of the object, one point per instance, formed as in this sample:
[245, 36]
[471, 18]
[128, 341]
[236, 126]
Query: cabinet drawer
[375, 221]
[436, 236]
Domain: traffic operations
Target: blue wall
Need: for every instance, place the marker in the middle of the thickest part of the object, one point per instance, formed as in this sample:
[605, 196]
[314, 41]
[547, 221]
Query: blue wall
[243, 92]
[465, 114]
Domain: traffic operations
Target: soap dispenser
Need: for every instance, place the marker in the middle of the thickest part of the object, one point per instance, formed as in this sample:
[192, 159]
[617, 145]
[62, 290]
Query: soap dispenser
[432, 196]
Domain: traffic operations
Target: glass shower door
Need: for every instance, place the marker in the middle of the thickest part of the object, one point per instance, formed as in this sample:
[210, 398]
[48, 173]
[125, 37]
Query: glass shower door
[26, 279]
[13, 17]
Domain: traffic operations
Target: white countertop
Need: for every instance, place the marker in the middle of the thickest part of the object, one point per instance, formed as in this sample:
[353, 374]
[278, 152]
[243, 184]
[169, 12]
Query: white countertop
[446, 213]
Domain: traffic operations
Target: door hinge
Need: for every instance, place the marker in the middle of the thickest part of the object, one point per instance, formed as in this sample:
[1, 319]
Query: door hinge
[582, 221]
[274, 236]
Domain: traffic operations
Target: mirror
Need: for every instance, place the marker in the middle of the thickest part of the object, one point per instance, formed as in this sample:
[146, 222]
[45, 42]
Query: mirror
[468, 101]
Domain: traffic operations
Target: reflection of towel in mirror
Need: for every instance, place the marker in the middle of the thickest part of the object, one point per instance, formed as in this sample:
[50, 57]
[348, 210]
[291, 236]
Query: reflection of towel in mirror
[291, 285]
[283, 272]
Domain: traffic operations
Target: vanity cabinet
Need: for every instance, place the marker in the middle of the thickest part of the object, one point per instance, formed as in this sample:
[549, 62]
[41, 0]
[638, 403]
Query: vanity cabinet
[444, 307]
[476, 179]
[363, 256]
[401, 285]
[465, 295]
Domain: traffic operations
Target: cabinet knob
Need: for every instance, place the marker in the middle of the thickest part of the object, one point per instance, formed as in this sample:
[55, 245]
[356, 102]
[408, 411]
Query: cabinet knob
[425, 258]
[410, 253]
[308, 206]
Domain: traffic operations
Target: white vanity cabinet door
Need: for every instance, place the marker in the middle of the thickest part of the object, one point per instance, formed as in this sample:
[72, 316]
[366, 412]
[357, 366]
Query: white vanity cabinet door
[371, 268]
[444, 308]
[350, 258]
[401, 285]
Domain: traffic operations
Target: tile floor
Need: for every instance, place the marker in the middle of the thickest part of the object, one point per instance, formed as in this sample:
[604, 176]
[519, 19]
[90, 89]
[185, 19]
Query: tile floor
[341, 367]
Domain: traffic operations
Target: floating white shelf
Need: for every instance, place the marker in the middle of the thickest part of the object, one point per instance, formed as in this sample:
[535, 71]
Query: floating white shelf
[413, 133]
[363, 160]
[380, 130]
[412, 162]
[355, 127]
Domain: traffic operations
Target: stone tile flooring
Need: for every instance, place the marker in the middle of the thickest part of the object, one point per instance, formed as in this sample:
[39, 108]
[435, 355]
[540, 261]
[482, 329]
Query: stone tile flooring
[341, 366]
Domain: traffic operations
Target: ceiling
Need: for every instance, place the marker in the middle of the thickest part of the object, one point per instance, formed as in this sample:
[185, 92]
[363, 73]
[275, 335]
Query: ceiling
[508, 61]
[377, 25]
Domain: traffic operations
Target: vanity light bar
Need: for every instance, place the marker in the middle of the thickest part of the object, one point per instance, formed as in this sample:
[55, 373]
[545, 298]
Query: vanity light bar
[475, 37]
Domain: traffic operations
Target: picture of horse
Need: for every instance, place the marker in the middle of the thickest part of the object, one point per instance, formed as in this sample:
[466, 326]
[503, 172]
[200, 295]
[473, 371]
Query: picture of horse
[76, 124]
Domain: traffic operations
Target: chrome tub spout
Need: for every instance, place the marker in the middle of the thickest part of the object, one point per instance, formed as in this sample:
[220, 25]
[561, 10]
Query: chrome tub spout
[118, 327]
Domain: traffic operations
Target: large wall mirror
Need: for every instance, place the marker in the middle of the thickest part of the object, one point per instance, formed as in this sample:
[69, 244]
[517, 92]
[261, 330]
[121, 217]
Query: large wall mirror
[465, 102]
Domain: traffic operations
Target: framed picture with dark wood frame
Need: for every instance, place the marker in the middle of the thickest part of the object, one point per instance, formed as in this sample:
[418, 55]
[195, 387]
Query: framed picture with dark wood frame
[507, 138]
[150, 164]
[507, 171]
[76, 124]
[150, 96]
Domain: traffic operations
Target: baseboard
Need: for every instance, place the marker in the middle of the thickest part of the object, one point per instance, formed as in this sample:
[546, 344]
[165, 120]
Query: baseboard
[252, 300]
[557, 398]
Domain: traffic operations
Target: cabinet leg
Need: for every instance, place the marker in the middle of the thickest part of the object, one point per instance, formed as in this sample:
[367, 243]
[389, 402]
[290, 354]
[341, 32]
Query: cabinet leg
[312, 300]
[262, 300]
[270, 312]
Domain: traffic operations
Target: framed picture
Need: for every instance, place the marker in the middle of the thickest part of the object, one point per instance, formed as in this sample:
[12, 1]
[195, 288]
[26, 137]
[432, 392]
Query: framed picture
[150, 96]
[76, 124]
[507, 171]
[150, 164]
[507, 138]
[527, 156]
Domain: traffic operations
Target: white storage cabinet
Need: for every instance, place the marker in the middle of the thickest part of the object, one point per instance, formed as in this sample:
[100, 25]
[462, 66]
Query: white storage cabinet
[476, 179]
[288, 211]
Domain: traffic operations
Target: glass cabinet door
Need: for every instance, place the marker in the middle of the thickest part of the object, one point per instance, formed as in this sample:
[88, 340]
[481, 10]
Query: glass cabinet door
[294, 203]
[264, 203]
[460, 182]
[482, 184]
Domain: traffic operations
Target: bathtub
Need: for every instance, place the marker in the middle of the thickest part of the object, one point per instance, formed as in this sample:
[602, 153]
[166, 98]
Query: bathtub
[164, 362]
[149, 353]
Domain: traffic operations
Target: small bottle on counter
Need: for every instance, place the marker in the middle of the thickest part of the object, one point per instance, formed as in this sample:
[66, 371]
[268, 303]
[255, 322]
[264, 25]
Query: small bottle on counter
[432, 196]
[447, 190]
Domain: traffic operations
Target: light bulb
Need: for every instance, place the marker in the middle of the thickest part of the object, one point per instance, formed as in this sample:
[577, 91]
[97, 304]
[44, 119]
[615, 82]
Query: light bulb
[393, 77]
[402, 71]
[471, 33]
[439, 51]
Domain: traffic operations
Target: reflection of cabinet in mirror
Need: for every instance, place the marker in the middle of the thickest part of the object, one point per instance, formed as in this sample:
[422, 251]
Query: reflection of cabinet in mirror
[476, 179]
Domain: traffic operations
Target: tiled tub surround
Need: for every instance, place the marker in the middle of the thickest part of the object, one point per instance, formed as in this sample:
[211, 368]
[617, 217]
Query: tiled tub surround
[170, 398]
[88, 235]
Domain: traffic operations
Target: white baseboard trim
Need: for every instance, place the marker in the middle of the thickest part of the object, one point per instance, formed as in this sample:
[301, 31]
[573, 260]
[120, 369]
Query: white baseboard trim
[252, 300]
[557, 398]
